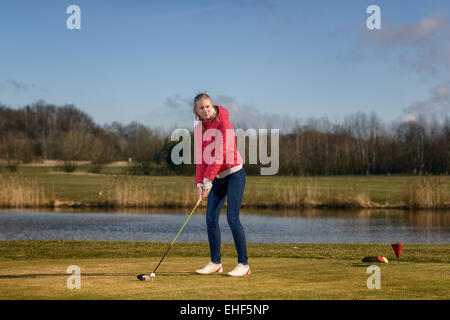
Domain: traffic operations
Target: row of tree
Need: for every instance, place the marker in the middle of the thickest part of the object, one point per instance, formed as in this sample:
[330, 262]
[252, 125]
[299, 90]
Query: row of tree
[365, 145]
[362, 144]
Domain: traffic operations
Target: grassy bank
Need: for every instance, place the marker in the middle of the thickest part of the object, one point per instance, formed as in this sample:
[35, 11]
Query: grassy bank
[48, 188]
[37, 270]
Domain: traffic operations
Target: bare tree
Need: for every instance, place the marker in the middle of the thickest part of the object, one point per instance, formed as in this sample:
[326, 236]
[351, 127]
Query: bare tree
[72, 146]
[13, 148]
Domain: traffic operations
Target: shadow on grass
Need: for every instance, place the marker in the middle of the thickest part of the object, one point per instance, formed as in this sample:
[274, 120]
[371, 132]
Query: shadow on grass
[41, 275]
[365, 265]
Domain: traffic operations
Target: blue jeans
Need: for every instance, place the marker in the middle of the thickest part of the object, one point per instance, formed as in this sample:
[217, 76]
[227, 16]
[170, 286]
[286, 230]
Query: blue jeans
[231, 188]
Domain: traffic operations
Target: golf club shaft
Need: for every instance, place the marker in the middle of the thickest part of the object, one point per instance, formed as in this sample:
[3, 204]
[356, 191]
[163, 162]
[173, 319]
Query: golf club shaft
[170, 246]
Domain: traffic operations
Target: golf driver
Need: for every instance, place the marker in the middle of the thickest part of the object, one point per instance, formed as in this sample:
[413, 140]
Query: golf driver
[146, 276]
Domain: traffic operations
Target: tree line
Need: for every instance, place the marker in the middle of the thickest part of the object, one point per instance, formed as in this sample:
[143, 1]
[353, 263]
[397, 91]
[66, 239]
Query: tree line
[361, 144]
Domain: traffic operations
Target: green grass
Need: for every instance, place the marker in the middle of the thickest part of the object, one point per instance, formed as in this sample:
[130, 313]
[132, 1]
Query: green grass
[86, 188]
[37, 270]
[261, 191]
[375, 185]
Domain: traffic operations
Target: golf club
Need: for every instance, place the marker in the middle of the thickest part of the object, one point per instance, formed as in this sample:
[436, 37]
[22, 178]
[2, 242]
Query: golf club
[146, 276]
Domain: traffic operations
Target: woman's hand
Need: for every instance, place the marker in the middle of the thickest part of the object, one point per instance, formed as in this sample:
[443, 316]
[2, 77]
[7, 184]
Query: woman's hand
[207, 185]
[201, 193]
[204, 188]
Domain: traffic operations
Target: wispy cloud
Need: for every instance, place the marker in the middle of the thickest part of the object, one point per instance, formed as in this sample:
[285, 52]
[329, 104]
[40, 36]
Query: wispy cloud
[178, 110]
[423, 47]
[177, 102]
[422, 32]
[436, 106]
[244, 116]
[175, 112]
[17, 86]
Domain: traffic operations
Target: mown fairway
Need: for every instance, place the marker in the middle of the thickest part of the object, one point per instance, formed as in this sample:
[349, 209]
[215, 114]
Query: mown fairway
[37, 270]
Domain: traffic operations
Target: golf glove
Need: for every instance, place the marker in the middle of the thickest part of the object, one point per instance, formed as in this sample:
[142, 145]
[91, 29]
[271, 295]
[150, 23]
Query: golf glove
[207, 184]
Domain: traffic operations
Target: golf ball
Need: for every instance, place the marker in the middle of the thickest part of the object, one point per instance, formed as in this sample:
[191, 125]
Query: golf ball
[152, 275]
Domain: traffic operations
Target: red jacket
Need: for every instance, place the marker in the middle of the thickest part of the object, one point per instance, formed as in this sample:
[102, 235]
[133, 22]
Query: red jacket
[218, 146]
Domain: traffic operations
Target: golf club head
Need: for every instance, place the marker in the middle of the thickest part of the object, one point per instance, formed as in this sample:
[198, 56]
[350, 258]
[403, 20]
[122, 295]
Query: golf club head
[144, 277]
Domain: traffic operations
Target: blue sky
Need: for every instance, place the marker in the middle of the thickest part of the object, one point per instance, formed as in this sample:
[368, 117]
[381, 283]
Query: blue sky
[265, 60]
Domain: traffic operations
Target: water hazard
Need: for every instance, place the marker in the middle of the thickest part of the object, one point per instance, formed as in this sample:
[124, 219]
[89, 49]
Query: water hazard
[269, 226]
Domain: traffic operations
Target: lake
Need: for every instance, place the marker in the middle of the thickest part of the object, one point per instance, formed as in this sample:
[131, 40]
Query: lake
[261, 226]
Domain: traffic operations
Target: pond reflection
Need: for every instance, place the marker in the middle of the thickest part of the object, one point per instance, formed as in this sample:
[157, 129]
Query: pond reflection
[261, 226]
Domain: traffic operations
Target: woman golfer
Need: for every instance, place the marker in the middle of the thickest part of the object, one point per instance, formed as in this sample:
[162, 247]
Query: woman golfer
[219, 176]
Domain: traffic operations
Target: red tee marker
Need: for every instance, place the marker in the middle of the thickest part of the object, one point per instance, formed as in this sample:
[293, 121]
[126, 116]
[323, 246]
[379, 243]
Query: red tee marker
[397, 249]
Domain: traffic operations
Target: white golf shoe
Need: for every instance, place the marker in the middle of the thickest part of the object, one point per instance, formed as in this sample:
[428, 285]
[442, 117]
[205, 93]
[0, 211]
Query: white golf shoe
[210, 268]
[240, 270]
